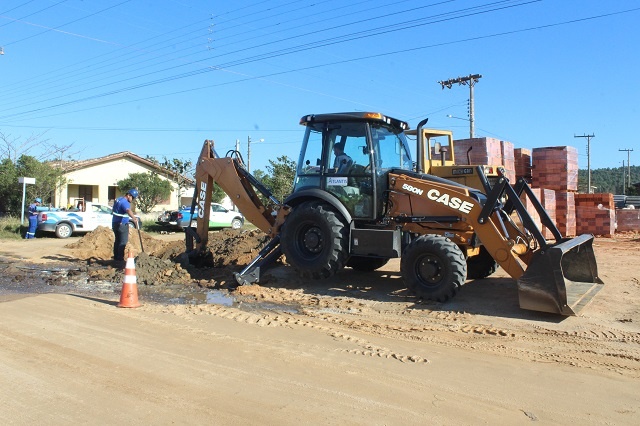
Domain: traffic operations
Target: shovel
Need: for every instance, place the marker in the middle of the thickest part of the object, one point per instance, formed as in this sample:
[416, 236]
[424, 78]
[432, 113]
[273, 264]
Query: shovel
[139, 234]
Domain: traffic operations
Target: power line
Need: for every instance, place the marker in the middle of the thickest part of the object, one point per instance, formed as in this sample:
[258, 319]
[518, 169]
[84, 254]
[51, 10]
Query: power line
[390, 53]
[270, 55]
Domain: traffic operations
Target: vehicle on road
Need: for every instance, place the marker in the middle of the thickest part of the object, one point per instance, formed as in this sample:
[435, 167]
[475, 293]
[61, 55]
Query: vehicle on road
[383, 206]
[64, 223]
[219, 217]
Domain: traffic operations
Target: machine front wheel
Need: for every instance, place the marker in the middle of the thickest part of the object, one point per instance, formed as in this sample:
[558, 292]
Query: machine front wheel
[433, 267]
[314, 240]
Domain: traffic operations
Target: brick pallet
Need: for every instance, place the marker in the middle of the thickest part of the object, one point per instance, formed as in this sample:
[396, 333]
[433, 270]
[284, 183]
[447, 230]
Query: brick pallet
[628, 220]
[566, 213]
[489, 151]
[591, 219]
[592, 200]
[555, 168]
[547, 198]
[522, 161]
[596, 221]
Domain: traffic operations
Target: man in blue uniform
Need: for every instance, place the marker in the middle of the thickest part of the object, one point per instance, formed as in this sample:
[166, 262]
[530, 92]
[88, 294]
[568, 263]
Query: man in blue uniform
[120, 223]
[33, 218]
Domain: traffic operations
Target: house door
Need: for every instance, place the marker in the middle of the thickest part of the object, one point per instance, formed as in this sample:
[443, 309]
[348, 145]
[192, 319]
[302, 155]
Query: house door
[86, 192]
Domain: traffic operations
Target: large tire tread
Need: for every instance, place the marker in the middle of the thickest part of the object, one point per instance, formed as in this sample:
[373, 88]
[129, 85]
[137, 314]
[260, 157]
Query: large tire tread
[481, 265]
[331, 257]
[451, 266]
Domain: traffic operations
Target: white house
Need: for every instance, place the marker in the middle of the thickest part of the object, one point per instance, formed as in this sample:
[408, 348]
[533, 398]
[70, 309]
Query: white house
[95, 180]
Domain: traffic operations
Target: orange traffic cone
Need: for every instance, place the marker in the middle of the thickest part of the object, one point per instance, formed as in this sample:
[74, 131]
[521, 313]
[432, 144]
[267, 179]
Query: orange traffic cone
[129, 294]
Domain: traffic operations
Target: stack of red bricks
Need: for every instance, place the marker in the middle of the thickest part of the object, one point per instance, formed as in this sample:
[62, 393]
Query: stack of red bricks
[595, 214]
[547, 198]
[566, 213]
[628, 220]
[489, 151]
[522, 159]
[556, 168]
[508, 160]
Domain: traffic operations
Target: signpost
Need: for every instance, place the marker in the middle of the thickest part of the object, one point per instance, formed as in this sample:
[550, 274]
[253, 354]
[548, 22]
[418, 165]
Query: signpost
[24, 181]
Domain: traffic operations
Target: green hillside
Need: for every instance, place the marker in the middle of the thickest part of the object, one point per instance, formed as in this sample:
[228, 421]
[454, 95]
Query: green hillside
[609, 180]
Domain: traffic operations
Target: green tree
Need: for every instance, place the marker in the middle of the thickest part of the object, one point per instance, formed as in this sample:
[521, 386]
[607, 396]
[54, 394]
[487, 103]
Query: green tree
[17, 161]
[279, 178]
[180, 171]
[152, 189]
[48, 179]
[10, 189]
[218, 193]
[609, 180]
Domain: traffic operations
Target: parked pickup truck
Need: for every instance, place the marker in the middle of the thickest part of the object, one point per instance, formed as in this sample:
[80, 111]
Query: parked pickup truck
[64, 223]
[220, 217]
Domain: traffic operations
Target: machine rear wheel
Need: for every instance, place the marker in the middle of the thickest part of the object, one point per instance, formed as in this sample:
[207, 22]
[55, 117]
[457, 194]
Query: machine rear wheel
[64, 230]
[366, 264]
[433, 267]
[236, 223]
[481, 265]
[314, 240]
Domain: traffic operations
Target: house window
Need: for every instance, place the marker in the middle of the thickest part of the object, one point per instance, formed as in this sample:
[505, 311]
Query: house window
[112, 192]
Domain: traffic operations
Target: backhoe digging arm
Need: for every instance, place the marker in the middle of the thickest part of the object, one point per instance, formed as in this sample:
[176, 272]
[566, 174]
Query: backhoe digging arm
[230, 174]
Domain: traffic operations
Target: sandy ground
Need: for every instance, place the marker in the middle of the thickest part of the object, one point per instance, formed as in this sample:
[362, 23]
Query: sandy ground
[354, 349]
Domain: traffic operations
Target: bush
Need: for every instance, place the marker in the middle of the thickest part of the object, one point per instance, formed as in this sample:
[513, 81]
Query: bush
[10, 228]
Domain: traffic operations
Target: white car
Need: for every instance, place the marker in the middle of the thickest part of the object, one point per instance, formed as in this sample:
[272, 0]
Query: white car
[64, 223]
[219, 217]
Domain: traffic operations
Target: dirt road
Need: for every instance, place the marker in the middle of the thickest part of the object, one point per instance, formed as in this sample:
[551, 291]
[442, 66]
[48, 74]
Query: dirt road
[355, 349]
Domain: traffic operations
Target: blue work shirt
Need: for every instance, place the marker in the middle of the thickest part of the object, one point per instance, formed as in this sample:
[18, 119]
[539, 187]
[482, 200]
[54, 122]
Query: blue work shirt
[33, 210]
[120, 215]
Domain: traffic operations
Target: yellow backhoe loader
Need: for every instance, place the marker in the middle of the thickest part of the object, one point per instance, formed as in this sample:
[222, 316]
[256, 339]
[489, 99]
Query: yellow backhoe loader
[371, 203]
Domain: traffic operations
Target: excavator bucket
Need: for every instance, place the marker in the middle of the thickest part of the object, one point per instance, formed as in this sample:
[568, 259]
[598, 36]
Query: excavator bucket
[562, 278]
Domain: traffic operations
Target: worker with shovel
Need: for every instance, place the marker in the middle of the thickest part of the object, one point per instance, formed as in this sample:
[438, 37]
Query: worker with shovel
[120, 223]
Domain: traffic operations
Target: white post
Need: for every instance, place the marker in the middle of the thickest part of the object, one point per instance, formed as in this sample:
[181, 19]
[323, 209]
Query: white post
[24, 181]
[24, 192]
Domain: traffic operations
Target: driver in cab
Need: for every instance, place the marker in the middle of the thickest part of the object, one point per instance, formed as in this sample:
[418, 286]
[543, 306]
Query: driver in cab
[342, 161]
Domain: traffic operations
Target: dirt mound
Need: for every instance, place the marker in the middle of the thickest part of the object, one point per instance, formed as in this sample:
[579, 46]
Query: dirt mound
[98, 244]
[161, 261]
[235, 247]
[151, 270]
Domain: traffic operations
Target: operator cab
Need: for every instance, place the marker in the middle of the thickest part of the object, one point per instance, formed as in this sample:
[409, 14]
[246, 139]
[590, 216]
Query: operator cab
[349, 154]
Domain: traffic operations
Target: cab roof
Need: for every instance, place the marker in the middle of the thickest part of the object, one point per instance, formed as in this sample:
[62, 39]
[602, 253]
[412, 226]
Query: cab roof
[353, 116]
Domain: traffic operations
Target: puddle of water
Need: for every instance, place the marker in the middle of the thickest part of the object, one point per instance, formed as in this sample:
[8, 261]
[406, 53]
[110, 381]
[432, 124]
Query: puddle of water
[38, 279]
[211, 297]
[217, 297]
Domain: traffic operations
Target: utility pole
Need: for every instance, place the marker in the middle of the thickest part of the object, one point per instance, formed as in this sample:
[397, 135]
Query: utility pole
[628, 164]
[249, 152]
[624, 184]
[471, 80]
[589, 137]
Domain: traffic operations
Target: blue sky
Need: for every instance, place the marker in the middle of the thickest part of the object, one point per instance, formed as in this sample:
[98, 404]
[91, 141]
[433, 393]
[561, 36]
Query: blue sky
[159, 77]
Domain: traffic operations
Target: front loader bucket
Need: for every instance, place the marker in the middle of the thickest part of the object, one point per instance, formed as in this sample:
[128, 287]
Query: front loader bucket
[562, 278]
